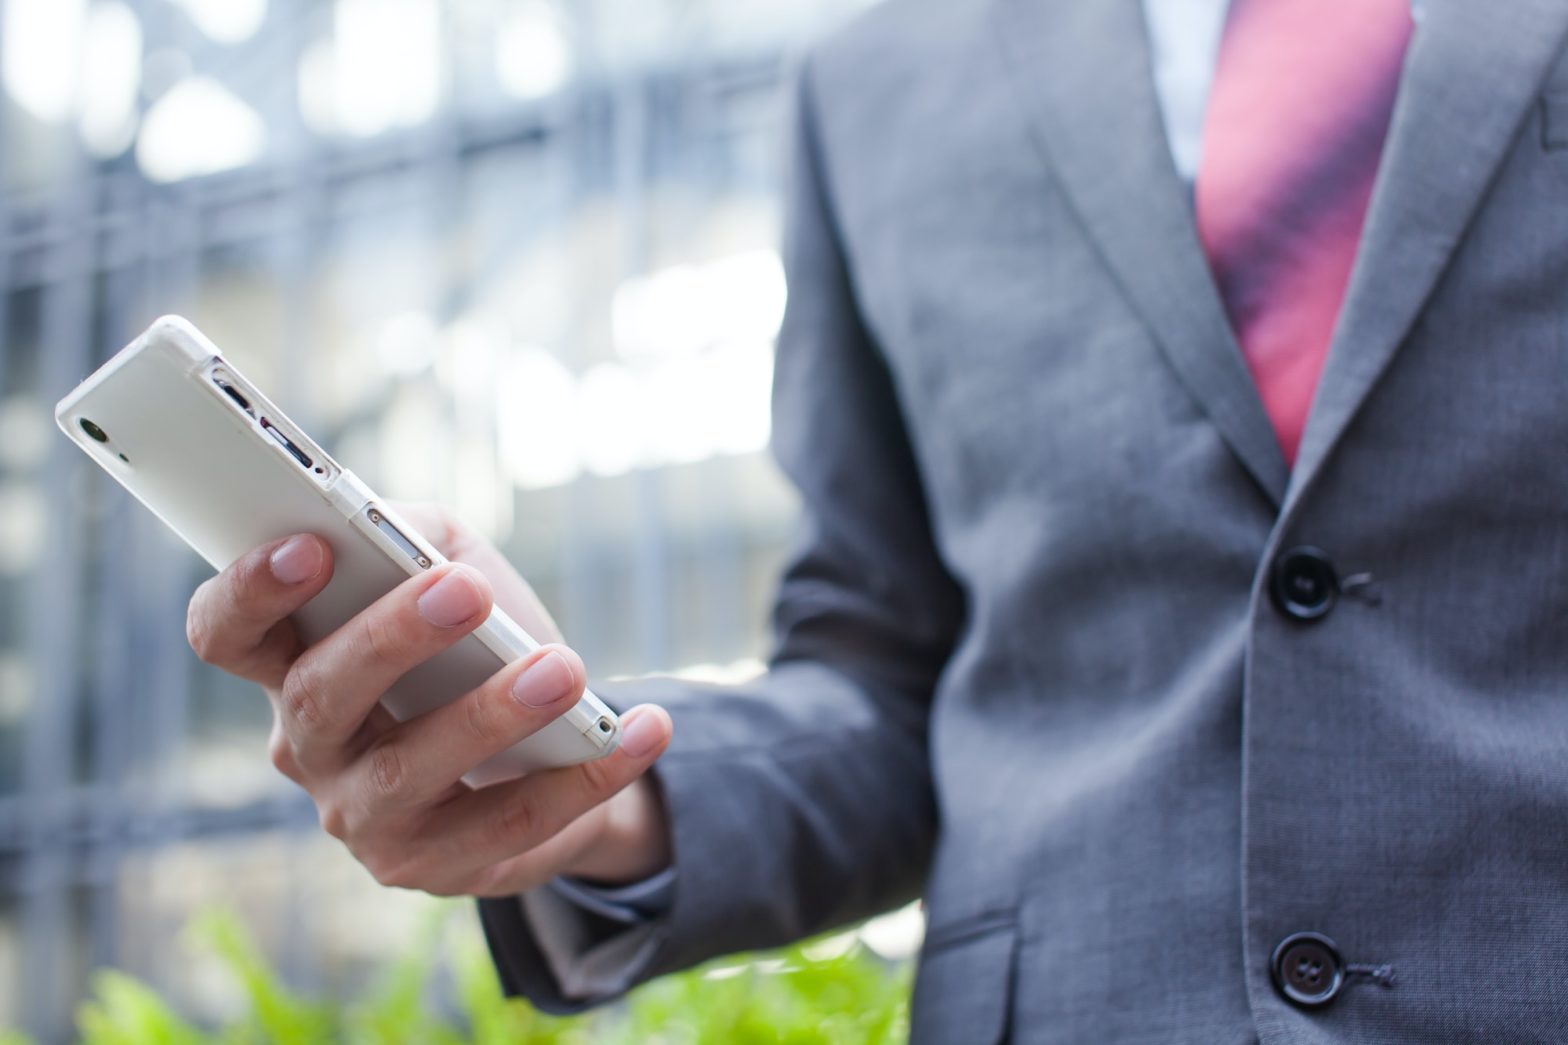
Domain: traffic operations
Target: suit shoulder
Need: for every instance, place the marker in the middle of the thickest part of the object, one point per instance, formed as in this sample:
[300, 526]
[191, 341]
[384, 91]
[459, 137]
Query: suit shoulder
[891, 39]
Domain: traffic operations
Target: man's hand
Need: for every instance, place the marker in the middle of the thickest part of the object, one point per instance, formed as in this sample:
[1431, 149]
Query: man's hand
[392, 791]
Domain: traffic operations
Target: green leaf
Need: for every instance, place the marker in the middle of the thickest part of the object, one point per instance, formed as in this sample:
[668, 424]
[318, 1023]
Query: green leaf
[124, 1011]
[442, 989]
[280, 1017]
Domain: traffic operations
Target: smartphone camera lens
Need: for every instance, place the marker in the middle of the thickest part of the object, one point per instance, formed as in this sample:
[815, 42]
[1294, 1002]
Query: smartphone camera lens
[93, 430]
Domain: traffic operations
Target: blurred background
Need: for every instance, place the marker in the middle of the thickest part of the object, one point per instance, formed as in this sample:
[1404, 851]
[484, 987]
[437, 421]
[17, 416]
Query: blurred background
[518, 257]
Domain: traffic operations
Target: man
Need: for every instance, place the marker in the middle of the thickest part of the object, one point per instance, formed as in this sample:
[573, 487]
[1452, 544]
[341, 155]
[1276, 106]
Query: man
[1184, 569]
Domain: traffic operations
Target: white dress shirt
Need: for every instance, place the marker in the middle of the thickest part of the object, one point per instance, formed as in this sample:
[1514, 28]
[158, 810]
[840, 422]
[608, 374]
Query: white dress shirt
[1184, 41]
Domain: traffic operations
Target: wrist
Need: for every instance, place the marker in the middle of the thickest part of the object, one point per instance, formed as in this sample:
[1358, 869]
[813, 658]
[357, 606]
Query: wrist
[633, 842]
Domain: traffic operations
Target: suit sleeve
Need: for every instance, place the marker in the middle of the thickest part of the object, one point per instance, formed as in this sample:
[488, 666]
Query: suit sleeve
[801, 801]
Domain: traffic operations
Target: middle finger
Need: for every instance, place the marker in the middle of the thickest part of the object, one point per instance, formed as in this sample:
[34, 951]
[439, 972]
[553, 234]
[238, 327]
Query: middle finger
[333, 686]
[417, 761]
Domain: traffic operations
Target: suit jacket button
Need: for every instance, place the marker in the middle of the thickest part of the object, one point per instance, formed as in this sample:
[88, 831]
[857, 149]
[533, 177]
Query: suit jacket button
[1304, 585]
[1307, 969]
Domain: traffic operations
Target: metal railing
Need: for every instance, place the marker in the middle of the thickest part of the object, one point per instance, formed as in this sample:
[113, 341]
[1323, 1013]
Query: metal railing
[115, 699]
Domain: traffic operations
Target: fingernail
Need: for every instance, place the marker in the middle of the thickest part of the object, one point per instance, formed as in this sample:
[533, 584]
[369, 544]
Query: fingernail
[296, 560]
[450, 601]
[545, 681]
[641, 733]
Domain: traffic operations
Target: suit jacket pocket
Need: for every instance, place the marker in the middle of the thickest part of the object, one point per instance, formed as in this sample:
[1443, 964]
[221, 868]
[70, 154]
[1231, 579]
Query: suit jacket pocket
[964, 986]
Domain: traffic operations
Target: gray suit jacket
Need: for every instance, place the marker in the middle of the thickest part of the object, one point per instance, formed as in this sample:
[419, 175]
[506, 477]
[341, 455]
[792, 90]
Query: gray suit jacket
[1028, 661]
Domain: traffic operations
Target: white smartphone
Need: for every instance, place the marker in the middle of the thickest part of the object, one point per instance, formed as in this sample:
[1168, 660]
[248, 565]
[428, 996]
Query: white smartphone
[197, 443]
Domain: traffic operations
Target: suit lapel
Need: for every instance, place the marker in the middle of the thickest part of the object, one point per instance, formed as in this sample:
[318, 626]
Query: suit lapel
[1470, 76]
[1082, 69]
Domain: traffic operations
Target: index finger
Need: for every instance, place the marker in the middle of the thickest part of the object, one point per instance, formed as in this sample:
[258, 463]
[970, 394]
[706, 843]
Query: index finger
[238, 620]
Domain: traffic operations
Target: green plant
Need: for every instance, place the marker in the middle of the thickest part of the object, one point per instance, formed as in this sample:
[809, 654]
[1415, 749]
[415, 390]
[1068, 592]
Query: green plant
[276, 1013]
[123, 1011]
[797, 995]
[443, 990]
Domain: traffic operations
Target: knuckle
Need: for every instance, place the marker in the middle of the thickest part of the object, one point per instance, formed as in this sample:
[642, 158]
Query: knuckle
[513, 824]
[303, 698]
[383, 639]
[599, 780]
[281, 754]
[246, 577]
[387, 772]
[333, 821]
[483, 721]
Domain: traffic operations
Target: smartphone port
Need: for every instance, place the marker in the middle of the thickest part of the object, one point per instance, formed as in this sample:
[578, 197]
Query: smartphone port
[284, 441]
[393, 534]
[234, 394]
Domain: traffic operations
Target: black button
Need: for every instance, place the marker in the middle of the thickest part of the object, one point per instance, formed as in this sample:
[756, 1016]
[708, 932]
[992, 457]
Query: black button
[1307, 969]
[1304, 585]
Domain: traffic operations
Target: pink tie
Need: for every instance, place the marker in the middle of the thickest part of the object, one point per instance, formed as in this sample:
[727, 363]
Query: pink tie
[1302, 96]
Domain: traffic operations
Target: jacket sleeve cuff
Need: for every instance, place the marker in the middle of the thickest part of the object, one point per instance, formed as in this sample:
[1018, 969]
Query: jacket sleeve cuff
[628, 904]
[563, 957]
